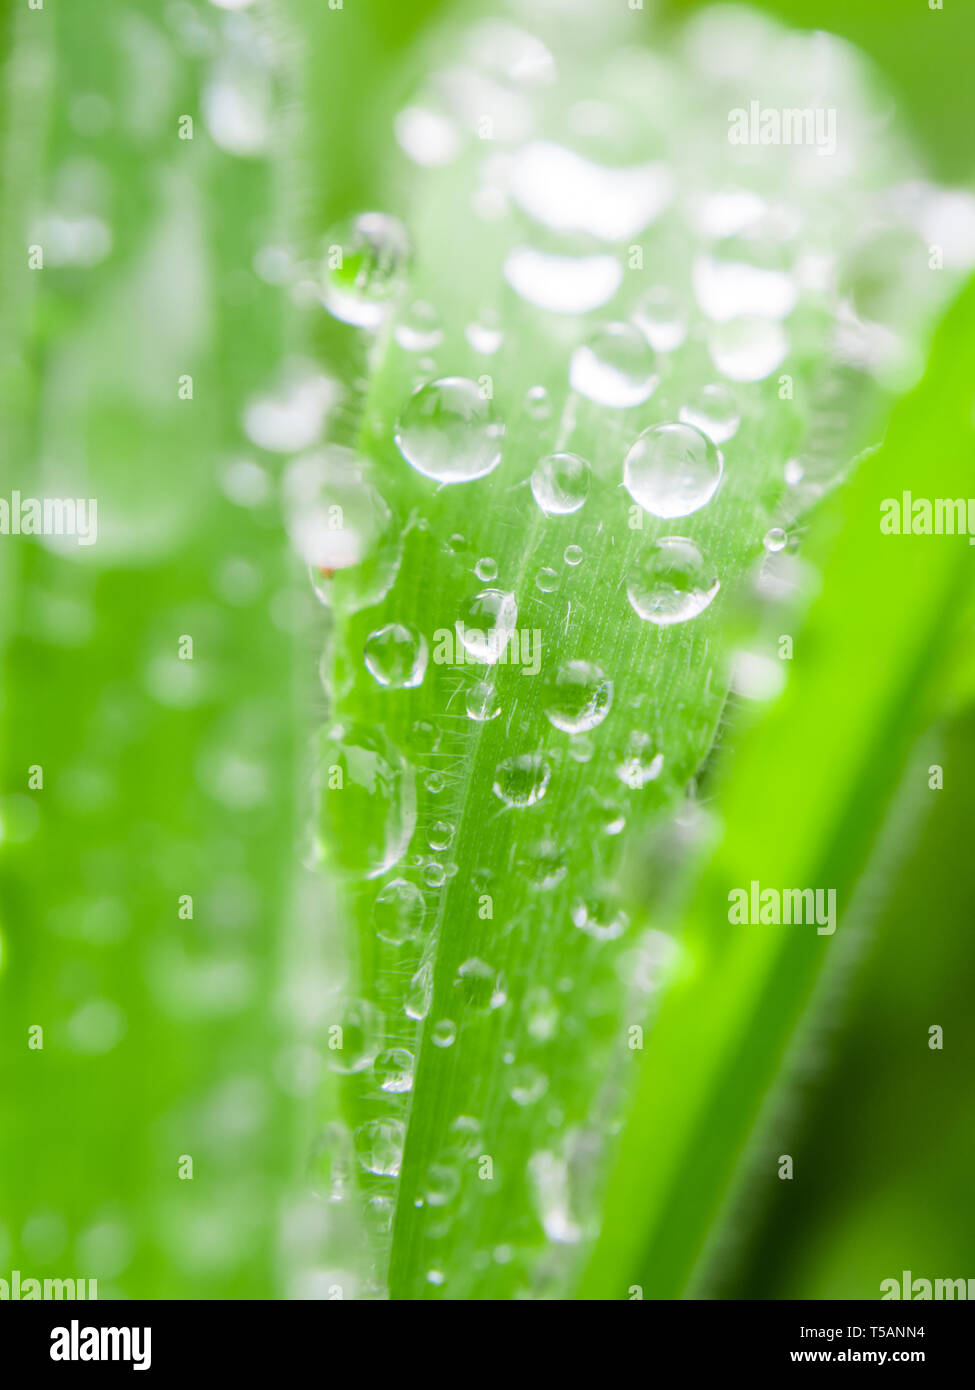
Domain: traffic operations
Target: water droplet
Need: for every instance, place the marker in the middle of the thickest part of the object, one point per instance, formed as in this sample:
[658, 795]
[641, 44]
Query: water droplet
[485, 335]
[435, 783]
[523, 780]
[714, 411]
[543, 863]
[486, 569]
[482, 702]
[441, 1186]
[549, 1180]
[464, 1136]
[434, 875]
[342, 528]
[480, 985]
[419, 996]
[794, 472]
[775, 540]
[427, 137]
[361, 1035]
[568, 193]
[672, 470]
[671, 582]
[541, 1014]
[560, 484]
[538, 404]
[572, 555]
[616, 367]
[418, 329]
[443, 1033]
[291, 418]
[527, 1084]
[449, 432]
[396, 656]
[641, 762]
[562, 284]
[379, 1146]
[488, 623]
[364, 270]
[578, 697]
[393, 1070]
[398, 912]
[599, 916]
[546, 581]
[440, 835]
[661, 319]
[366, 800]
[748, 349]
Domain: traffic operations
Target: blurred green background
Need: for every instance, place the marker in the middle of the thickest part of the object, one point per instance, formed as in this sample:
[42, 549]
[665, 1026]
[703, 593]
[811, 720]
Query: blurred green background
[167, 1036]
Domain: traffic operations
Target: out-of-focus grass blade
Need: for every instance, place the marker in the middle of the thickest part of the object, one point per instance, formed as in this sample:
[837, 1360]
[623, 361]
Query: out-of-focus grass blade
[801, 807]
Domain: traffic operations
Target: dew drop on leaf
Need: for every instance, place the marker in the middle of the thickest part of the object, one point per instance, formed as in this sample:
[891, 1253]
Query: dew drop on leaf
[671, 582]
[560, 484]
[616, 367]
[522, 780]
[449, 432]
[672, 470]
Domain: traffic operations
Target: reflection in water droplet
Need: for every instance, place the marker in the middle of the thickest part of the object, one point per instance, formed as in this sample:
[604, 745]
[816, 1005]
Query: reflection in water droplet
[487, 625]
[394, 1070]
[449, 432]
[560, 484]
[523, 780]
[671, 582]
[616, 367]
[396, 656]
[379, 1146]
[578, 697]
[398, 912]
[672, 470]
[714, 411]
[482, 702]
[364, 268]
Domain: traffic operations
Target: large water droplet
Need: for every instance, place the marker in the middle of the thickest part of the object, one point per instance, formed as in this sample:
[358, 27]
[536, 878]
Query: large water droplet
[396, 656]
[671, 582]
[366, 801]
[398, 912]
[714, 411]
[523, 780]
[578, 697]
[616, 367]
[560, 483]
[672, 470]
[487, 625]
[480, 986]
[393, 1070]
[449, 432]
[364, 269]
[379, 1146]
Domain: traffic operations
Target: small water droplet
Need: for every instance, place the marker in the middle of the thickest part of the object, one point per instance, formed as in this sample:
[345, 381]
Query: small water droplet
[527, 1084]
[546, 581]
[449, 432]
[671, 582]
[641, 763]
[440, 835]
[443, 1033]
[441, 1186]
[366, 800]
[523, 780]
[485, 335]
[419, 996]
[480, 985]
[538, 403]
[418, 329]
[672, 470]
[544, 863]
[599, 916]
[578, 697]
[487, 625]
[434, 875]
[393, 1070]
[572, 555]
[714, 411]
[482, 702]
[560, 484]
[396, 656]
[486, 569]
[775, 540]
[616, 367]
[364, 268]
